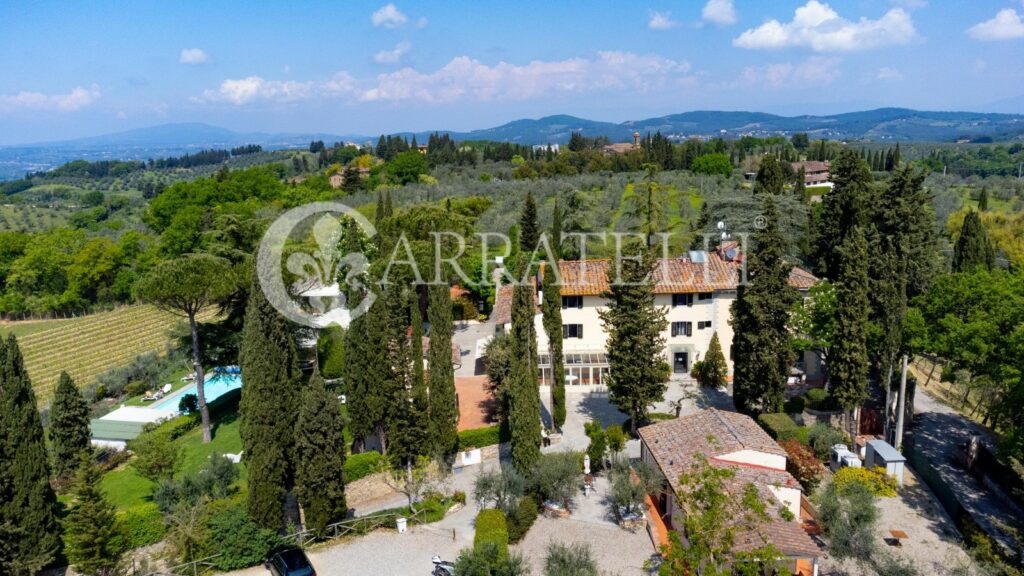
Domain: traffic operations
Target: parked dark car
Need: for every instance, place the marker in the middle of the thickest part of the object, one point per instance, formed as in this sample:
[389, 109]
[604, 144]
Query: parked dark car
[289, 562]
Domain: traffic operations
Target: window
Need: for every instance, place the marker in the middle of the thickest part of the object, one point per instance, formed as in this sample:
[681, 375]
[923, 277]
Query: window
[572, 330]
[703, 324]
[572, 302]
[705, 296]
[682, 300]
[682, 328]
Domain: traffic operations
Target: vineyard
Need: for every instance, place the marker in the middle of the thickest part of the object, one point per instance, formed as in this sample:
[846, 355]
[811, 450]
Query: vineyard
[88, 346]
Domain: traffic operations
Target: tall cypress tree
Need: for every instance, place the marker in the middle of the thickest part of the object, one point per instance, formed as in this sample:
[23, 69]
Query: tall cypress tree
[552, 316]
[842, 208]
[556, 229]
[27, 502]
[320, 452]
[529, 229]
[761, 348]
[444, 408]
[800, 186]
[973, 249]
[269, 408]
[369, 374]
[69, 426]
[389, 210]
[983, 200]
[378, 213]
[638, 373]
[410, 435]
[523, 393]
[848, 359]
[94, 543]
[769, 179]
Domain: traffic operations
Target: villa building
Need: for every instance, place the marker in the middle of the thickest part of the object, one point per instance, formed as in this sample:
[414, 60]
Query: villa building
[696, 291]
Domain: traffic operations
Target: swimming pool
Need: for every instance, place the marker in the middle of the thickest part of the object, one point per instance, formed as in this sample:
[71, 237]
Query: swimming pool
[217, 384]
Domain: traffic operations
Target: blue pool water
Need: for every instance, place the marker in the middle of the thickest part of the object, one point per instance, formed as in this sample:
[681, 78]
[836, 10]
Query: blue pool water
[217, 384]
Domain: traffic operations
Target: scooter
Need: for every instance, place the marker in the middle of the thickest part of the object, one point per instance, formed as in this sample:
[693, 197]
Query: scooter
[441, 567]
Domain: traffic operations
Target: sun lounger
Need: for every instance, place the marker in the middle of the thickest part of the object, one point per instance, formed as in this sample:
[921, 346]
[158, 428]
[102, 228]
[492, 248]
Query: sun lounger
[166, 389]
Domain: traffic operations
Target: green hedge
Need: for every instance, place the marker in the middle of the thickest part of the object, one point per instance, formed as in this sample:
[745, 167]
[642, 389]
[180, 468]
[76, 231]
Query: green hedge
[362, 465]
[819, 399]
[522, 518]
[492, 528]
[141, 526]
[794, 405]
[231, 533]
[778, 425]
[480, 437]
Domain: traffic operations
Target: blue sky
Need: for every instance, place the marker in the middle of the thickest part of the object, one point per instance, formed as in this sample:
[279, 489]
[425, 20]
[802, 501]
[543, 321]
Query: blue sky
[72, 69]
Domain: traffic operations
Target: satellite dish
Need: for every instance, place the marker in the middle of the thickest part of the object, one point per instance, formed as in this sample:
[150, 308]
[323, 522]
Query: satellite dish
[721, 225]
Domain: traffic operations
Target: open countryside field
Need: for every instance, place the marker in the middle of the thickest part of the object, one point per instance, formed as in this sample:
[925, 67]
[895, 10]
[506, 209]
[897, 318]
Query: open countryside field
[88, 346]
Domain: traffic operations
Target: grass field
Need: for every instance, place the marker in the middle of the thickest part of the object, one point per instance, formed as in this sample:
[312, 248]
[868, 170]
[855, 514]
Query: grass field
[88, 346]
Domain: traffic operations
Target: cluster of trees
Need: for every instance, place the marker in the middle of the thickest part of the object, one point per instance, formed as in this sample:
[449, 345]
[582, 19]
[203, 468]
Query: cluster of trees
[996, 160]
[882, 160]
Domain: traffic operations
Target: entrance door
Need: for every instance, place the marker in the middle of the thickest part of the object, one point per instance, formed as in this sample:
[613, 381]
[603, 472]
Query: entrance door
[680, 362]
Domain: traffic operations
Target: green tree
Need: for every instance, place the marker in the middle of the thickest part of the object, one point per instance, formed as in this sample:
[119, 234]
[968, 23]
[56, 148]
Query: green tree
[813, 320]
[523, 393]
[27, 502]
[973, 248]
[760, 320]
[552, 317]
[983, 200]
[269, 408]
[369, 374]
[842, 208]
[712, 164]
[94, 542]
[407, 166]
[647, 204]
[848, 359]
[638, 373]
[529, 229]
[769, 179]
[800, 184]
[570, 560]
[556, 229]
[444, 407]
[800, 141]
[320, 457]
[69, 426]
[711, 372]
[156, 456]
[187, 286]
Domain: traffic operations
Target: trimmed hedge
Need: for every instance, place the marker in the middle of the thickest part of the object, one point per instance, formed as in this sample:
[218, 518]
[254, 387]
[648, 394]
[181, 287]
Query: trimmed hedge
[492, 528]
[480, 437]
[778, 425]
[362, 465]
[522, 518]
[141, 526]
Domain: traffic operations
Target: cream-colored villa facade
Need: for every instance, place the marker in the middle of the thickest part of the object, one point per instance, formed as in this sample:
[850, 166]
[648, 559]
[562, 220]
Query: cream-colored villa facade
[696, 291]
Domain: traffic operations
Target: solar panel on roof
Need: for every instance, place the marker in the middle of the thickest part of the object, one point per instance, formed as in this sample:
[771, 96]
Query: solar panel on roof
[698, 256]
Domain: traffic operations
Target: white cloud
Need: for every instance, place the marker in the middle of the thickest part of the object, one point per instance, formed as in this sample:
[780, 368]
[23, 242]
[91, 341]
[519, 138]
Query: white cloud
[1006, 25]
[254, 88]
[193, 56]
[719, 12]
[74, 100]
[887, 73]
[661, 21]
[465, 78]
[422, 22]
[392, 56]
[911, 4]
[814, 71]
[341, 84]
[817, 26]
[388, 16]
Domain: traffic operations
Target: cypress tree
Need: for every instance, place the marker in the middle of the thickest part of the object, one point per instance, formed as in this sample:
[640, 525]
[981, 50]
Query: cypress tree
[388, 208]
[27, 502]
[638, 373]
[711, 372]
[552, 316]
[529, 230]
[848, 359]
[416, 320]
[94, 543]
[700, 227]
[444, 408]
[769, 179]
[69, 426]
[370, 375]
[378, 213]
[556, 229]
[842, 208]
[269, 408]
[983, 200]
[800, 186]
[973, 249]
[411, 430]
[522, 390]
[320, 457]
[760, 317]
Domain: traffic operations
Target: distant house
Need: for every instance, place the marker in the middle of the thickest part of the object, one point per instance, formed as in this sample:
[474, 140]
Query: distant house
[623, 147]
[816, 173]
[734, 441]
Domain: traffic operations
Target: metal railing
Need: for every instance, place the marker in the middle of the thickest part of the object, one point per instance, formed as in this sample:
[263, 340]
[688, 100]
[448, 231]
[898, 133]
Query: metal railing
[193, 568]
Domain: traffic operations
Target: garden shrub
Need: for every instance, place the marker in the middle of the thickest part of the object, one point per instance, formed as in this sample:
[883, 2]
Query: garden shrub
[231, 533]
[362, 465]
[819, 399]
[480, 437]
[492, 528]
[570, 560]
[822, 437]
[598, 444]
[211, 481]
[876, 481]
[848, 517]
[794, 405]
[778, 425]
[521, 519]
[556, 476]
[801, 463]
[141, 526]
[459, 497]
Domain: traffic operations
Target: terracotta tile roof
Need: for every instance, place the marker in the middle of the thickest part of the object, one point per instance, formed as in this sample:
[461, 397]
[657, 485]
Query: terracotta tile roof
[787, 536]
[670, 276]
[502, 312]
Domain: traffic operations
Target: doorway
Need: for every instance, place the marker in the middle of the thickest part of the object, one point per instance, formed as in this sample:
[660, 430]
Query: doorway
[680, 362]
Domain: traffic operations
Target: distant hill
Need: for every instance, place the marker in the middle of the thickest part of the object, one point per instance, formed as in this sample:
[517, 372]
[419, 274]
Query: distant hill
[882, 124]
